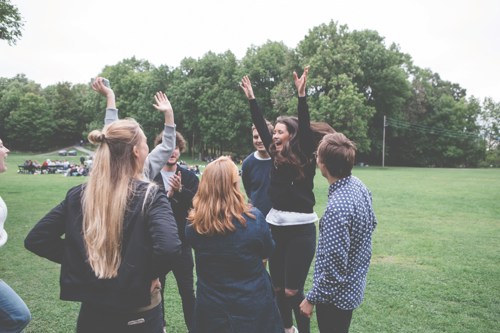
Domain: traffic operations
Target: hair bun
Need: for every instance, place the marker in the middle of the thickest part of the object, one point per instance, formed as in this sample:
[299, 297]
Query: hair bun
[96, 137]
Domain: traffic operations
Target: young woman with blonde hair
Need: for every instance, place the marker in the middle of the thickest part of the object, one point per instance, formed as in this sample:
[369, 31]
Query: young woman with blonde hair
[230, 239]
[112, 237]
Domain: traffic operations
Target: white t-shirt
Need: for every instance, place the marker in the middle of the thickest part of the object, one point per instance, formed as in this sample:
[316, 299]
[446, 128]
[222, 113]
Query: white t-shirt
[3, 217]
[166, 176]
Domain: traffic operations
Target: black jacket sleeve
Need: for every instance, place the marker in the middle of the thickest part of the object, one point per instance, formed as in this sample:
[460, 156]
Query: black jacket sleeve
[163, 230]
[260, 124]
[305, 133]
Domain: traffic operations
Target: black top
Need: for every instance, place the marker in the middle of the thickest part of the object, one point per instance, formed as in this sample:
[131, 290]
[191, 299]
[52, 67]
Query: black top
[150, 242]
[287, 191]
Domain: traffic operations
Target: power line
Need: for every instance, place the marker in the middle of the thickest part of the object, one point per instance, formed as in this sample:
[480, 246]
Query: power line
[401, 124]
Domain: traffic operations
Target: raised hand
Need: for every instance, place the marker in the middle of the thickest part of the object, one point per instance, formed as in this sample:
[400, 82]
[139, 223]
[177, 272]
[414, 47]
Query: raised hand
[162, 102]
[98, 86]
[246, 85]
[300, 82]
[163, 105]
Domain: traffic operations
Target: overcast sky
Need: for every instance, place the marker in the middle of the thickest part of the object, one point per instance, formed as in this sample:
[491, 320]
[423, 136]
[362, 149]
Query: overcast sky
[65, 40]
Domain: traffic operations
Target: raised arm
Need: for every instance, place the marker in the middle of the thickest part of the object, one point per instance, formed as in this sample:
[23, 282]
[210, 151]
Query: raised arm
[257, 117]
[300, 82]
[161, 153]
[105, 90]
[246, 85]
[305, 134]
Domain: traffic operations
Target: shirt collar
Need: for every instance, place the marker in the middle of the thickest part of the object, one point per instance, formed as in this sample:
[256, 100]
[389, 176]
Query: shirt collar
[338, 184]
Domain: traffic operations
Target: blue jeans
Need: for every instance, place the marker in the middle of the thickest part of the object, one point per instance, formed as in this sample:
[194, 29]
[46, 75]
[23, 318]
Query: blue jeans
[14, 314]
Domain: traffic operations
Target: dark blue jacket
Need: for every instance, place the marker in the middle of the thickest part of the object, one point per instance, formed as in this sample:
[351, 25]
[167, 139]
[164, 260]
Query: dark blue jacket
[234, 291]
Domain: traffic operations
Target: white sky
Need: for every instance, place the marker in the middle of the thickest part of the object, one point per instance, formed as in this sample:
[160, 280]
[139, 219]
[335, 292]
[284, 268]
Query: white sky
[68, 40]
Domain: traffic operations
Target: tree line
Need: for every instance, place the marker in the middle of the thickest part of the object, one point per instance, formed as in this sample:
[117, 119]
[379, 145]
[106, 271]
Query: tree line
[355, 82]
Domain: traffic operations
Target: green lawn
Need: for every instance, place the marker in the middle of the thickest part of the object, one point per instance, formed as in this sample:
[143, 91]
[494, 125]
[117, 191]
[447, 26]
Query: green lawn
[435, 266]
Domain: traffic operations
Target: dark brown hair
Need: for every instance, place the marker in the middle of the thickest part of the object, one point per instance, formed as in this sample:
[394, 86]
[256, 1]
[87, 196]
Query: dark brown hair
[179, 141]
[292, 153]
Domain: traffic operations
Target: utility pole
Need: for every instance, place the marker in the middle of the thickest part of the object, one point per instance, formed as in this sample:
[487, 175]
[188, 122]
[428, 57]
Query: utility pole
[383, 144]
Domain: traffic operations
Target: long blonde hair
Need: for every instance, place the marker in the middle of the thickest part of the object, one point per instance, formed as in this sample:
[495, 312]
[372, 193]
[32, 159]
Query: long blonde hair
[109, 187]
[219, 199]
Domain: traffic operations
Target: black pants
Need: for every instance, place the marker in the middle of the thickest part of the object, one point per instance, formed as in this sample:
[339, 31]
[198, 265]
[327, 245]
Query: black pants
[332, 319]
[93, 319]
[289, 266]
[183, 272]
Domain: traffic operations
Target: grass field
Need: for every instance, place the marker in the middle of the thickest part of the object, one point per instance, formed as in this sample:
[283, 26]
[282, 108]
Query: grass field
[435, 265]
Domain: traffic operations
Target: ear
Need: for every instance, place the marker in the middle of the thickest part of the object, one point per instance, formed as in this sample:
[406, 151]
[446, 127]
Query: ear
[135, 150]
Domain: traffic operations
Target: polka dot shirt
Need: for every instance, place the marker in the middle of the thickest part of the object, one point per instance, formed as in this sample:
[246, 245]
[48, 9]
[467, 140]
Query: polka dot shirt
[344, 245]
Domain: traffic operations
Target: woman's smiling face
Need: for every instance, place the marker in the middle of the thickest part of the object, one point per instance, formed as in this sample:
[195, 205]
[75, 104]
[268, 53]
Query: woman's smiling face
[280, 136]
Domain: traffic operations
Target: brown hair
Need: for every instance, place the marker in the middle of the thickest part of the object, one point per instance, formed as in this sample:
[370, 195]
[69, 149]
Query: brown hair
[292, 153]
[337, 153]
[219, 199]
[179, 141]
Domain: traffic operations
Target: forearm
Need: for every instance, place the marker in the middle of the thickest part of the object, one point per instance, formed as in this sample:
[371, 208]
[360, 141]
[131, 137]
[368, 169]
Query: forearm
[111, 110]
[160, 154]
[260, 124]
[111, 116]
[305, 133]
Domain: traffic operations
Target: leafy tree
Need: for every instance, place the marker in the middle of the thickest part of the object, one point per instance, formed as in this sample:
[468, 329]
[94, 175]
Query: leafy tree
[66, 107]
[270, 68]
[383, 82]
[490, 127]
[11, 22]
[11, 92]
[32, 124]
[131, 80]
[438, 127]
[335, 61]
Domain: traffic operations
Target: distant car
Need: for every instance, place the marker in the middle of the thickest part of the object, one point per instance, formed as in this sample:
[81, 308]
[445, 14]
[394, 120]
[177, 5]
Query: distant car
[72, 153]
[62, 152]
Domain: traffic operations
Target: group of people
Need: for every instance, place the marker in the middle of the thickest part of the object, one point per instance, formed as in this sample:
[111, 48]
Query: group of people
[283, 167]
[140, 215]
[57, 166]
